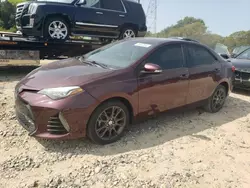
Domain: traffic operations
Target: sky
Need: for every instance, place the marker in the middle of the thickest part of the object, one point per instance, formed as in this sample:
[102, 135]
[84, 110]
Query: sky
[222, 17]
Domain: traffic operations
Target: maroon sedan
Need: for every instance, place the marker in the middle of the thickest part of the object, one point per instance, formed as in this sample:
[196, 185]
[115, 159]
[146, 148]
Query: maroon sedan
[98, 94]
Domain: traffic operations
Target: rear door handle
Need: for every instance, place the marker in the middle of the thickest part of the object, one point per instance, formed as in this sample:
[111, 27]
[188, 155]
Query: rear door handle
[184, 76]
[121, 15]
[99, 12]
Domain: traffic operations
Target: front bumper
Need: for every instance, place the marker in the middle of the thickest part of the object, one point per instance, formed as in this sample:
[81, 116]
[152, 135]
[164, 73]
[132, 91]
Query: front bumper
[242, 80]
[31, 25]
[61, 119]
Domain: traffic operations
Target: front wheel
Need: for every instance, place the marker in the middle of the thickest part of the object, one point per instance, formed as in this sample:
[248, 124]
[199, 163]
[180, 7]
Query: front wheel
[217, 100]
[108, 122]
[56, 28]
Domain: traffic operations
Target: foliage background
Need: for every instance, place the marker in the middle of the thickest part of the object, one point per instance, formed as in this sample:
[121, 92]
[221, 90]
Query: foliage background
[191, 27]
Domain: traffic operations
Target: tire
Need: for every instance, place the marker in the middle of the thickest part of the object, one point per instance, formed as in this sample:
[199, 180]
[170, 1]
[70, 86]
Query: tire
[60, 34]
[127, 30]
[93, 125]
[215, 103]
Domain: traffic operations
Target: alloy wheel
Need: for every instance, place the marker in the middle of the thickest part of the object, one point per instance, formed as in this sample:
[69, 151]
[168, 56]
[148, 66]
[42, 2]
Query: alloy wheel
[218, 99]
[110, 123]
[129, 33]
[58, 30]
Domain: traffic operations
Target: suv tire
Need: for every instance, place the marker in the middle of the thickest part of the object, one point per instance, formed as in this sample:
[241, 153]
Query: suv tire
[127, 33]
[56, 28]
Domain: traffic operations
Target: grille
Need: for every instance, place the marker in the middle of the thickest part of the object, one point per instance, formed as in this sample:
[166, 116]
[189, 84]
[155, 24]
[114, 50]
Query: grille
[55, 126]
[19, 10]
[245, 75]
[24, 115]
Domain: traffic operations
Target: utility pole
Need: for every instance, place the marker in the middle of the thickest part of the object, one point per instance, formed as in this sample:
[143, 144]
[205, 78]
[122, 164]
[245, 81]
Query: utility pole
[152, 15]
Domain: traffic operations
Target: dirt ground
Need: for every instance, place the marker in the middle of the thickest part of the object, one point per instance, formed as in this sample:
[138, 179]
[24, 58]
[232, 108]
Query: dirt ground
[188, 149]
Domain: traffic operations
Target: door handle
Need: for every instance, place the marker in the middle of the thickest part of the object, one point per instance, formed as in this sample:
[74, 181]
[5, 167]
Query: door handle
[217, 70]
[184, 76]
[121, 15]
[99, 12]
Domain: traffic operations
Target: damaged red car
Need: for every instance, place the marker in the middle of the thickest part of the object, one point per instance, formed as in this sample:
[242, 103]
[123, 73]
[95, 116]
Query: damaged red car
[98, 94]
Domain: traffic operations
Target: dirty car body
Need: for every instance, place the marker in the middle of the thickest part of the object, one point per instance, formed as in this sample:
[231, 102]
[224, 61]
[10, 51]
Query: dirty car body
[133, 79]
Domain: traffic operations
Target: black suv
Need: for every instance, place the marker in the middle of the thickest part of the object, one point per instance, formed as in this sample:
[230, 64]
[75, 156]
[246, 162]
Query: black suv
[59, 19]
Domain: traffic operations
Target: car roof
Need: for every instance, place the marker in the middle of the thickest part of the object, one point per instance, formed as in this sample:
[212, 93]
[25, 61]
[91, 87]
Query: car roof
[158, 41]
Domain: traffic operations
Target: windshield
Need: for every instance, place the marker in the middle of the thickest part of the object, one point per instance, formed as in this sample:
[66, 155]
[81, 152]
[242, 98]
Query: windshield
[240, 49]
[119, 54]
[244, 55]
[58, 1]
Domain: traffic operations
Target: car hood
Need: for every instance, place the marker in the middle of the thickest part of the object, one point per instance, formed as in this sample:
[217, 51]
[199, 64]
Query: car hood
[241, 63]
[69, 72]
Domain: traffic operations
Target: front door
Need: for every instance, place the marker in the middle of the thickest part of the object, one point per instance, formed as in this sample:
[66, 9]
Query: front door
[88, 18]
[166, 90]
[204, 70]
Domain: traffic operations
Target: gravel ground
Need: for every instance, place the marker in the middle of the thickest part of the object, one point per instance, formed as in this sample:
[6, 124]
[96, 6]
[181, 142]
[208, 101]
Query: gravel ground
[179, 149]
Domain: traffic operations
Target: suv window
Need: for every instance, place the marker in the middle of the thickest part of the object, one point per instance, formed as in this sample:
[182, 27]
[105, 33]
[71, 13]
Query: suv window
[168, 57]
[113, 5]
[199, 56]
[92, 3]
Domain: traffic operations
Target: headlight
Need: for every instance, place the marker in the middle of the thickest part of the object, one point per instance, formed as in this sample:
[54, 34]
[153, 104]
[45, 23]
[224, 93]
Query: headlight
[32, 8]
[61, 92]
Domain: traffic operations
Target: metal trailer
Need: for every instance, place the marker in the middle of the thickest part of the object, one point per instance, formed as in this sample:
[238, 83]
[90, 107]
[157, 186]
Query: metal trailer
[16, 50]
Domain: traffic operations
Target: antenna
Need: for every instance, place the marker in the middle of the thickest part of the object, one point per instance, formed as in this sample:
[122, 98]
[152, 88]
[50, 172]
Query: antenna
[152, 15]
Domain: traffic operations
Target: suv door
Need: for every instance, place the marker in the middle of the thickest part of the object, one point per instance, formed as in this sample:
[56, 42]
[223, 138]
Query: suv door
[204, 70]
[88, 18]
[114, 16]
[168, 89]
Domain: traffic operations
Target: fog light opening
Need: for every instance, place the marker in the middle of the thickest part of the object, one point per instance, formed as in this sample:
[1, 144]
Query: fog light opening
[64, 122]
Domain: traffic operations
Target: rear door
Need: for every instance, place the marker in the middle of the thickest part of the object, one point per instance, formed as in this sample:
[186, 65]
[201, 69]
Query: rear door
[204, 70]
[114, 15]
[167, 90]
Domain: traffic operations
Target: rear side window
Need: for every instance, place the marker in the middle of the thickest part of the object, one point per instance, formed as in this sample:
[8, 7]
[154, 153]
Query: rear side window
[92, 3]
[199, 56]
[168, 57]
[113, 5]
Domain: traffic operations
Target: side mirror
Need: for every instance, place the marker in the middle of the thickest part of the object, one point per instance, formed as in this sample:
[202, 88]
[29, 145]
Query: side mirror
[150, 68]
[225, 56]
[81, 2]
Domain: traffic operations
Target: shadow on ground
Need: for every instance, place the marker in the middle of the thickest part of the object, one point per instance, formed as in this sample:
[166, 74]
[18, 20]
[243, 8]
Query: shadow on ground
[242, 92]
[157, 131]
[15, 73]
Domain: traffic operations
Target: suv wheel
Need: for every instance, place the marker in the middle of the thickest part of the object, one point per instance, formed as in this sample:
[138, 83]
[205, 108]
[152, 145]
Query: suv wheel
[127, 33]
[217, 100]
[56, 28]
[108, 122]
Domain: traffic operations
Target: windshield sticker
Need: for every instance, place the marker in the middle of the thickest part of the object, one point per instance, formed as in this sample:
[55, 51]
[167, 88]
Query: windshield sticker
[143, 45]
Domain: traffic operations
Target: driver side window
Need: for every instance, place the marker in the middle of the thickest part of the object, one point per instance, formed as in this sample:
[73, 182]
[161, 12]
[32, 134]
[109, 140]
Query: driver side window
[92, 3]
[168, 57]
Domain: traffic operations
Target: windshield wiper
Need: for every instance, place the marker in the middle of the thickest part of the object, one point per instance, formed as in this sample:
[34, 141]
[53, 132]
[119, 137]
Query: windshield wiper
[82, 59]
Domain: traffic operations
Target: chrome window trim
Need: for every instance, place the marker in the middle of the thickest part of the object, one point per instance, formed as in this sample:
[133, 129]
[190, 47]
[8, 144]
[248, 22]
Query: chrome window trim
[125, 10]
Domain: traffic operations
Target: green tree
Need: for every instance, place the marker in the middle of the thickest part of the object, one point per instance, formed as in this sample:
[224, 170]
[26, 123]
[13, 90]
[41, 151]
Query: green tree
[7, 15]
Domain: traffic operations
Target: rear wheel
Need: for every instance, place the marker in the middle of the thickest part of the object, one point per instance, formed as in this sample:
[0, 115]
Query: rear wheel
[56, 28]
[127, 33]
[217, 100]
[108, 122]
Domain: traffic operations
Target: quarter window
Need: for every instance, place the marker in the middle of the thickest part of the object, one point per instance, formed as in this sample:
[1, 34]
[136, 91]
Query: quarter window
[92, 3]
[168, 57]
[199, 56]
[113, 5]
